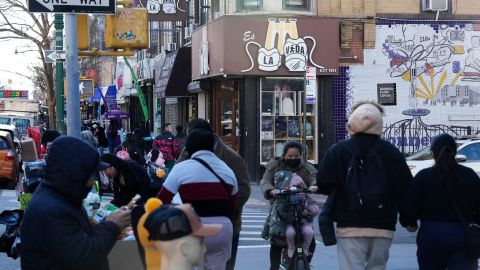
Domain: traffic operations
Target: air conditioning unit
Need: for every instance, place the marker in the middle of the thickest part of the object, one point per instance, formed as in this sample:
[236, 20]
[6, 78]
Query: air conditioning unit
[172, 47]
[435, 5]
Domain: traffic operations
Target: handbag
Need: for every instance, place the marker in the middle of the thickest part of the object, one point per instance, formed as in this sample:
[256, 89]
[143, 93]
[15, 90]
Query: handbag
[472, 232]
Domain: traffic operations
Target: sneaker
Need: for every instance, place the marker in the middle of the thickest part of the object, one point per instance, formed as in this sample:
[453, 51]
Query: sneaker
[285, 264]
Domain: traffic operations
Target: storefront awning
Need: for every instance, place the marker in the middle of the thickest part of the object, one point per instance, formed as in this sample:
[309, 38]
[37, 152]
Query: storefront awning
[175, 75]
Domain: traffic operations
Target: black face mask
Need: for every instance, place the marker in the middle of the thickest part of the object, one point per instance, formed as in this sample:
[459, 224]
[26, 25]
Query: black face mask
[293, 163]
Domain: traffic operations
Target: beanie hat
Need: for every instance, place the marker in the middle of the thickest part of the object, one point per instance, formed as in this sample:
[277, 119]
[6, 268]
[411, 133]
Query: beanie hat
[365, 118]
[198, 123]
[199, 139]
[113, 160]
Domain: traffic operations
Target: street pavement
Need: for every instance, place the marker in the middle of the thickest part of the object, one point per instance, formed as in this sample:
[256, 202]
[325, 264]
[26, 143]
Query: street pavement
[253, 251]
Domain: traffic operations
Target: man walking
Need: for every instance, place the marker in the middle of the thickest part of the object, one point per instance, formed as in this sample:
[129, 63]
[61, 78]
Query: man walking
[56, 232]
[168, 145]
[235, 162]
[370, 178]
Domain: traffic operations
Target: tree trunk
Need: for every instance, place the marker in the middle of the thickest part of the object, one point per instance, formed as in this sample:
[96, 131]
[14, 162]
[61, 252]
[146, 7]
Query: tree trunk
[48, 73]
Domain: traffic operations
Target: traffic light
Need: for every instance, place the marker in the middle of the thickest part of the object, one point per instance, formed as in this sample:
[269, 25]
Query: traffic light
[128, 28]
[83, 32]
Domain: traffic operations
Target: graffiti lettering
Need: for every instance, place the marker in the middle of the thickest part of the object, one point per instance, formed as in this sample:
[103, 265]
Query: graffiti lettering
[409, 141]
[248, 35]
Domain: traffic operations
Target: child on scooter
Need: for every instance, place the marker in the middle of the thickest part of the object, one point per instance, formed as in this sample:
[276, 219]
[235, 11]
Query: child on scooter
[309, 210]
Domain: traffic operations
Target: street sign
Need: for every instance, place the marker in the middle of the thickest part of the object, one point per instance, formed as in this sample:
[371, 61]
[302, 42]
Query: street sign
[310, 85]
[72, 6]
[53, 56]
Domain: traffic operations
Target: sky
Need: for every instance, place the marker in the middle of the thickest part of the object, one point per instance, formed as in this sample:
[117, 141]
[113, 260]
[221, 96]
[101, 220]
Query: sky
[12, 63]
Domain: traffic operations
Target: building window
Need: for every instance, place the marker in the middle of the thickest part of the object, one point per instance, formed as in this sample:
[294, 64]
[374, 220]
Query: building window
[296, 4]
[282, 118]
[249, 5]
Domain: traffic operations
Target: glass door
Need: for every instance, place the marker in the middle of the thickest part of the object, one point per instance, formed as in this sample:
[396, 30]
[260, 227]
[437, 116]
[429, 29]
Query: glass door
[226, 114]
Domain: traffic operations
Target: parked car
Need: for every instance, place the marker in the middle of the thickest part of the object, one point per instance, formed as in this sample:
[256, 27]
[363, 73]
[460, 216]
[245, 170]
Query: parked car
[468, 154]
[9, 161]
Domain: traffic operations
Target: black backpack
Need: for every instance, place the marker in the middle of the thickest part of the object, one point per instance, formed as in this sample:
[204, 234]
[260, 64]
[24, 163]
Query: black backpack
[365, 186]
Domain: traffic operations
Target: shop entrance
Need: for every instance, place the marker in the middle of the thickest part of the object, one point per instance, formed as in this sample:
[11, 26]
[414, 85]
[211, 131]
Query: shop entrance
[225, 112]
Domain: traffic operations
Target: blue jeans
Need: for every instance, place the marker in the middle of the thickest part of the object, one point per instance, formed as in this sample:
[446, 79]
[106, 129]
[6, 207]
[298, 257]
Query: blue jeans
[111, 144]
[440, 246]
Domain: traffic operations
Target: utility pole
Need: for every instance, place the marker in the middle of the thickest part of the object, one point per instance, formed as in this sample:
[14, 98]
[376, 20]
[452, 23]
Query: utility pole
[59, 87]
[73, 95]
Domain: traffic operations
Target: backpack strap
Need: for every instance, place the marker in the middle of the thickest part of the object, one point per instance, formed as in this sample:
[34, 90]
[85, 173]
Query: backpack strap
[205, 164]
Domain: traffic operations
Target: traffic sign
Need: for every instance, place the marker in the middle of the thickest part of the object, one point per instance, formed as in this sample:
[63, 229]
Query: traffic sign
[53, 56]
[72, 6]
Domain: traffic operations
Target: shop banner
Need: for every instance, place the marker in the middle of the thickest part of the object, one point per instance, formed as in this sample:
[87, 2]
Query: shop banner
[265, 46]
[165, 10]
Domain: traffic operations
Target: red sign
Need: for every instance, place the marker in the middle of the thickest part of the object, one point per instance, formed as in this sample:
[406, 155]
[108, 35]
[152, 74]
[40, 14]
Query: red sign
[14, 94]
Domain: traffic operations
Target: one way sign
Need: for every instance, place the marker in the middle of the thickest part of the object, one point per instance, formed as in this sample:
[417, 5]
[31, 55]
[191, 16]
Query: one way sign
[72, 6]
[53, 56]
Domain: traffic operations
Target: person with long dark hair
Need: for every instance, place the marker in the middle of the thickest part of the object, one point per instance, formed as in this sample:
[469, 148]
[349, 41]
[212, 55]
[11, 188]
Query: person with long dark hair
[432, 199]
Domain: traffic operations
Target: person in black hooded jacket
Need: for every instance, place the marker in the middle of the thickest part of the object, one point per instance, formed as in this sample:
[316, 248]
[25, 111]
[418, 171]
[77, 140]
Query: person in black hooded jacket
[129, 178]
[56, 232]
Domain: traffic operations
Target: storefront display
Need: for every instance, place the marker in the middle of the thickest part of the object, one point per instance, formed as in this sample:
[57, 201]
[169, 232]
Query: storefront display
[282, 118]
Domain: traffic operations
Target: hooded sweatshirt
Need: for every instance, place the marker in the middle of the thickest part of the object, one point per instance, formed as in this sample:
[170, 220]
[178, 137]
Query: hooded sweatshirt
[56, 232]
[365, 127]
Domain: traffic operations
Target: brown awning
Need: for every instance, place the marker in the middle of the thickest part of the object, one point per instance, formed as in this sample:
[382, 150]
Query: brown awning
[175, 75]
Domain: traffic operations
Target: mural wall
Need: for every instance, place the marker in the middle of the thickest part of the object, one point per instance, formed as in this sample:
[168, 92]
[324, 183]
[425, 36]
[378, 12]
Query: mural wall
[429, 70]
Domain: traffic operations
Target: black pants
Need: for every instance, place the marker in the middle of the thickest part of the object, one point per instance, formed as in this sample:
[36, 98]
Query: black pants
[231, 262]
[276, 254]
[440, 246]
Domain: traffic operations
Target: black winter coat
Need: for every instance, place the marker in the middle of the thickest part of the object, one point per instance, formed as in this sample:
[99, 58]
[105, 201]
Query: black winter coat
[427, 199]
[56, 232]
[137, 181]
[331, 177]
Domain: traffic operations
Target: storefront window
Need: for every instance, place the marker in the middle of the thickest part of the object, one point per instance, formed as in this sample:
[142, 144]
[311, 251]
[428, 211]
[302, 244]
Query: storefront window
[283, 116]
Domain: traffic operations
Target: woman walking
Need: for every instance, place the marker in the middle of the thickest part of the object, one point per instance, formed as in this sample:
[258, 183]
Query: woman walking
[433, 198]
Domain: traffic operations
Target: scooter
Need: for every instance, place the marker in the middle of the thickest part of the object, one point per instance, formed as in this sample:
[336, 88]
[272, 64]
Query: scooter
[299, 260]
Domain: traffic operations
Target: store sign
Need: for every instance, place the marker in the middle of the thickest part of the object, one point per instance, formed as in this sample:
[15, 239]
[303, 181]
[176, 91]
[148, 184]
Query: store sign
[266, 46]
[310, 85]
[14, 94]
[387, 94]
[165, 72]
[165, 10]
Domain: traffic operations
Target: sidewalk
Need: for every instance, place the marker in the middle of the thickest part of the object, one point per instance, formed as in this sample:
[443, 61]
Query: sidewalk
[402, 257]
[402, 253]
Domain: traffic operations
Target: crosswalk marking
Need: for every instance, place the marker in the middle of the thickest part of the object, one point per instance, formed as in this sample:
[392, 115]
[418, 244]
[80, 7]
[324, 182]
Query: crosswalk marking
[253, 221]
[252, 226]
[250, 233]
[252, 239]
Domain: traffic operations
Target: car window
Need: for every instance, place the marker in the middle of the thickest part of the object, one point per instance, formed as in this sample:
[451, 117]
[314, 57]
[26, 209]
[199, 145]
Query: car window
[422, 154]
[21, 124]
[471, 151]
[5, 121]
[3, 144]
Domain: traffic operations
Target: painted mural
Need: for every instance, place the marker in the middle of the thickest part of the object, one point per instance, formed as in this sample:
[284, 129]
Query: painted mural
[434, 67]
[426, 74]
